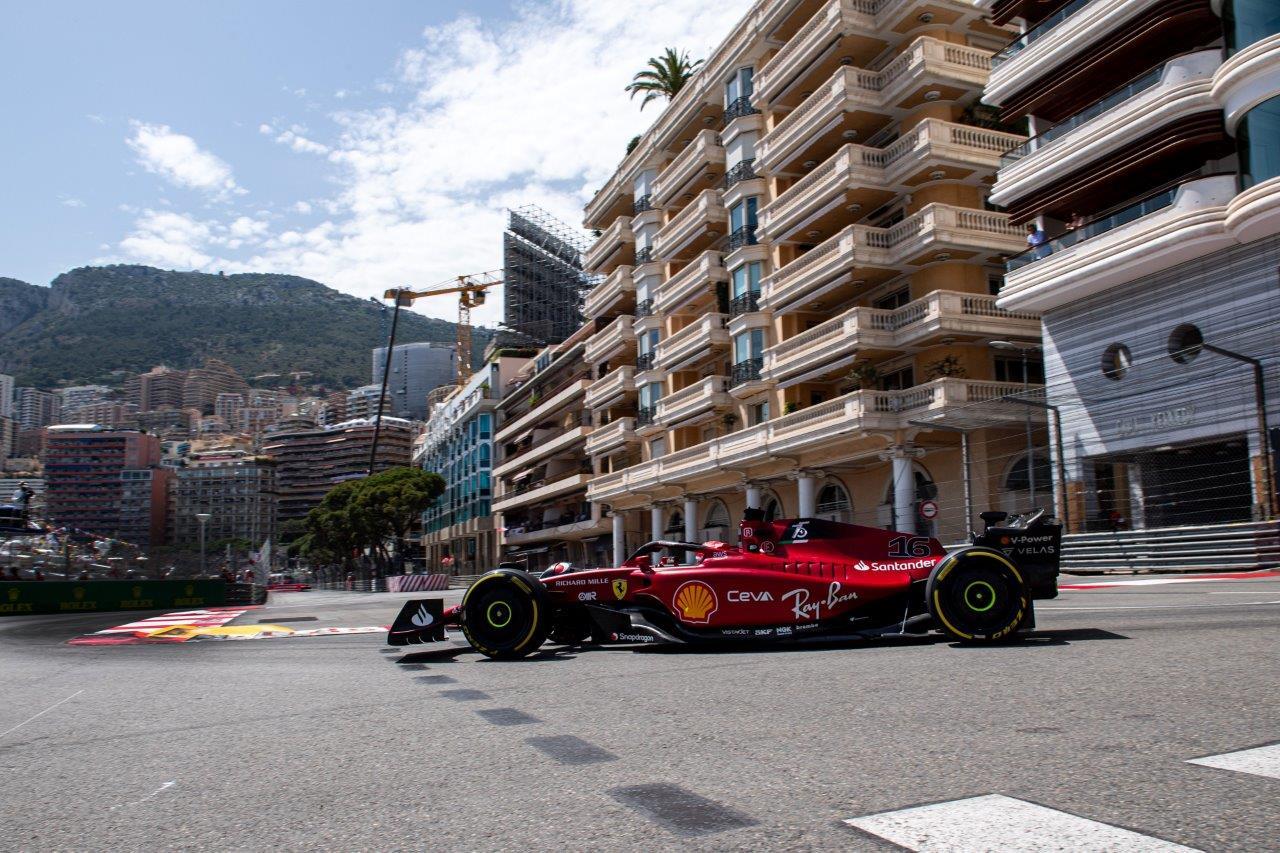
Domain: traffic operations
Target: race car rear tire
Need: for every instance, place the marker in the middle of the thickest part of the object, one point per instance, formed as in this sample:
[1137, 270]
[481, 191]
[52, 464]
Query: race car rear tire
[977, 595]
[506, 614]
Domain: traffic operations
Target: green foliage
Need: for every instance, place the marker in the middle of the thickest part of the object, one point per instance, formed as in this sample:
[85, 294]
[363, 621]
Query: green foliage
[368, 514]
[666, 75]
[96, 320]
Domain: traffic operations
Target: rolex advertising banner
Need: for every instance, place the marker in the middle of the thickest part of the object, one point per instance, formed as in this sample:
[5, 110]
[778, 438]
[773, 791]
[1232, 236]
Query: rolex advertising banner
[28, 597]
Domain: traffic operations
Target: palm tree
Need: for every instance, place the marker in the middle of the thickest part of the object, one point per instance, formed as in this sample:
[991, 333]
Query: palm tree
[665, 76]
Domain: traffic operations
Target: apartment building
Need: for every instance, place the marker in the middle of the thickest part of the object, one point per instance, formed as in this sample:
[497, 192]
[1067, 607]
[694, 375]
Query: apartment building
[1154, 170]
[459, 532]
[416, 370]
[158, 388]
[236, 489]
[203, 385]
[108, 482]
[801, 260]
[33, 408]
[109, 413]
[311, 460]
[77, 396]
[542, 468]
[6, 395]
[8, 437]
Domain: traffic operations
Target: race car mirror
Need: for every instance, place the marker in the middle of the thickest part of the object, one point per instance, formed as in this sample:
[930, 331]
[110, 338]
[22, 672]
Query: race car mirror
[421, 620]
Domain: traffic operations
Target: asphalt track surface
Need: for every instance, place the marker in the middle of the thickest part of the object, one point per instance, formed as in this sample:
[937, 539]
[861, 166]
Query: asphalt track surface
[339, 743]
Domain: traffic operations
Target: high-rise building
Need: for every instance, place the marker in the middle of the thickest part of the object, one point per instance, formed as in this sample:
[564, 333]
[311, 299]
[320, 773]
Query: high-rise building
[158, 388]
[543, 281]
[169, 421]
[416, 370]
[228, 406]
[253, 420]
[205, 383]
[33, 408]
[6, 396]
[107, 482]
[311, 460]
[362, 402]
[112, 414]
[799, 265]
[78, 396]
[237, 490]
[458, 445]
[1152, 187]
[8, 437]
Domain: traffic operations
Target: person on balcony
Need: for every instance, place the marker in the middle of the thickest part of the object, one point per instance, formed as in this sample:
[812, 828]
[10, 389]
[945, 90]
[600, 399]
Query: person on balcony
[1037, 240]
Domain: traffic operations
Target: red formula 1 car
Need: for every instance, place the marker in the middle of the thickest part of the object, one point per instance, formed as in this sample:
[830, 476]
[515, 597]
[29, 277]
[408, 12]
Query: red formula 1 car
[786, 581]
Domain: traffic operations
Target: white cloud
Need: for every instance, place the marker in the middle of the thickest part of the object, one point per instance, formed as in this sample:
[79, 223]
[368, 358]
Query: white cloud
[178, 159]
[71, 201]
[494, 116]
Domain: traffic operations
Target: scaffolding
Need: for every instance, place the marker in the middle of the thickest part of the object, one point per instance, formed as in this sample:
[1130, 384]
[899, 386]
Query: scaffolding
[544, 282]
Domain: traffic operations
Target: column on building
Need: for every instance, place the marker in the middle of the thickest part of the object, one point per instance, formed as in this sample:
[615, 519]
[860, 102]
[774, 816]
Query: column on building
[619, 537]
[807, 494]
[690, 526]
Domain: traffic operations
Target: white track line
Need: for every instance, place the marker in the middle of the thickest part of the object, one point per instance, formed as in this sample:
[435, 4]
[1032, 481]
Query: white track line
[998, 823]
[1259, 761]
[41, 714]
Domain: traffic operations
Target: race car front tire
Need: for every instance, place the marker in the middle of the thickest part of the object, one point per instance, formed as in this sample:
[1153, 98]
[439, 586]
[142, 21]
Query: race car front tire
[977, 595]
[506, 614]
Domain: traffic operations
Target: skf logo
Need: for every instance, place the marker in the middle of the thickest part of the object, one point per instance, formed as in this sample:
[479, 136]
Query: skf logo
[696, 601]
[620, 589]
[13, 594]
[78, 592]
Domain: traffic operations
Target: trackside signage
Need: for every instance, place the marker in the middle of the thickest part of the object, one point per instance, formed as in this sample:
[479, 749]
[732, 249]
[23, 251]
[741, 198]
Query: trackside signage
[28, 597]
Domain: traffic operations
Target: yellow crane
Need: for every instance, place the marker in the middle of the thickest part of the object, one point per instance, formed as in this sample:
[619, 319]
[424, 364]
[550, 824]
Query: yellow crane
[471, 291]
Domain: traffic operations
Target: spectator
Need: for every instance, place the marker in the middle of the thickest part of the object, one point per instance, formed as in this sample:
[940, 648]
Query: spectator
[1076, 222]
[1037, 240]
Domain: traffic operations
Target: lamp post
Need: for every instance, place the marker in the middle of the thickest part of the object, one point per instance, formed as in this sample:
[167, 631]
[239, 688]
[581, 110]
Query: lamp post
[1024, 347]
[203, 518]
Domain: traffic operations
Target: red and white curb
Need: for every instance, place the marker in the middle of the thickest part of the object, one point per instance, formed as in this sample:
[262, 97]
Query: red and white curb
[1224, 576]
[997, 822]
[210, 618]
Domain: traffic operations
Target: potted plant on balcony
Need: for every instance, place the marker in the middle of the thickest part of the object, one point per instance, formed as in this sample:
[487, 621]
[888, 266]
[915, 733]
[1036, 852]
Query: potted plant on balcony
[865, 374]
[729, 420]
[946, 368]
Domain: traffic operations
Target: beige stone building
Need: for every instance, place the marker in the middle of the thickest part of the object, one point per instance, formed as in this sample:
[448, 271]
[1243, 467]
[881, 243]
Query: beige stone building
[799, 267]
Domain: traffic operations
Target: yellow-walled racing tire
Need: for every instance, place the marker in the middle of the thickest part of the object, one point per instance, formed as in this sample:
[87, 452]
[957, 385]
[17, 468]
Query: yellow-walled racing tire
[506, 614]
[977, 595]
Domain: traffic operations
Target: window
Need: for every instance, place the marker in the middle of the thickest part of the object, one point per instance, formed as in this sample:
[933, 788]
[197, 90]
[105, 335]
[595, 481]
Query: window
[1116, 360]
[772, 507]
[717, 516]
[1018, 479]
[897, 380]
[739, 86]
[746, 279]
[759, 413]
[893, 300]
[995, 282]
[834, 503]
[1009, 369]
[743, 214]
[650, 395]
[748, 345]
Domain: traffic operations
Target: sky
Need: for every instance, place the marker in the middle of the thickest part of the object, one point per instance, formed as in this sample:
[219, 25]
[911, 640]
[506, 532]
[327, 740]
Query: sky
[362, 144]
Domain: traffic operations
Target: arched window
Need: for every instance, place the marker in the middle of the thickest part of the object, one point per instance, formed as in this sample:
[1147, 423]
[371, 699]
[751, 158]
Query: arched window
[1016, 485]
[925, 490]
[717, 515]
[834, 503]
[675, 523]
[772, 506]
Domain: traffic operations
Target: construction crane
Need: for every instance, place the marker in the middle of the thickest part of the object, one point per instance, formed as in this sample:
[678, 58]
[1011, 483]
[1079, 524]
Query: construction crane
[471, 290]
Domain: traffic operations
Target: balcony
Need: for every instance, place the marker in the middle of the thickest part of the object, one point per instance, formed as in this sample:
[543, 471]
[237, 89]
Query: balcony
[836, 20]
[830, 347]
[844, 101]
[541, 408]
[612, 340]
[702, 398]
[614, 248]
[538, 492]
[698, 166]
[694, 343]
[1175, 91]
[693, 283]
[616, 291]
[831, 428]
[573, 531]
[612, 437]
[611, 389]
[870, 177]
[740, 108]
[747, 303]
[1186, 221]
[543, 448]
[861, 254]
[743, 170]
[747, 371]
[694, 229]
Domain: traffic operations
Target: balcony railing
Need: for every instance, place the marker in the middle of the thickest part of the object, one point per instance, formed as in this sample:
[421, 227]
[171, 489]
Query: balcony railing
[1037, 32]
[640, 205]
[743, 236]
[744, 304]
[644, 308]
[745, 170]
[644, 255]
[645, 415]
[747, 371]
[1062, 128]
[738, 108]
[1101, 225]
[644, 361]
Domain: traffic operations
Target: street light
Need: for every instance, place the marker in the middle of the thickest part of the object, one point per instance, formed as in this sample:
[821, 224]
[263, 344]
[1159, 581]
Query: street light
[203, 518]
[1024, 347]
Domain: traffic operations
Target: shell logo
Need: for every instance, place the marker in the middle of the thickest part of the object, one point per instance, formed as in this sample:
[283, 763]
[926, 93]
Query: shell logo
[695, 602]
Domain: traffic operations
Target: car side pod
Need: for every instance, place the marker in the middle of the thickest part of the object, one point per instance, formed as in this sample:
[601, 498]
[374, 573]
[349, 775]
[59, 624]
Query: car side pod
[421, 620]
[977, 595]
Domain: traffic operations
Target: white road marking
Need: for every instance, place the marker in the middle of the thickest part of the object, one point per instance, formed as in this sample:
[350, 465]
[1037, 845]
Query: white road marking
[1259, 761]
[998, 823]
[41, 714]
[166, 786]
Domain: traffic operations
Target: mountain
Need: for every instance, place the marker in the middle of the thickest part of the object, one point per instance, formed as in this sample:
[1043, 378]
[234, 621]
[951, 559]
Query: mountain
[95, 320]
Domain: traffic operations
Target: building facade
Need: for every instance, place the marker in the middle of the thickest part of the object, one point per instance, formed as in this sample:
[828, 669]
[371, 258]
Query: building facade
[203, 385]
[237, 490]
[1154, 174]
[416, 370]
[33, 408]
[541, 469]
[799, 264]
[77, 396]
[459, 532]
[6, 395]
[107, 482]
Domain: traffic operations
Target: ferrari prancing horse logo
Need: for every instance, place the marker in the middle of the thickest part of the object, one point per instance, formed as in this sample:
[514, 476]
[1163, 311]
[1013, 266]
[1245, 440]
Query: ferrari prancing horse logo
[620, 589]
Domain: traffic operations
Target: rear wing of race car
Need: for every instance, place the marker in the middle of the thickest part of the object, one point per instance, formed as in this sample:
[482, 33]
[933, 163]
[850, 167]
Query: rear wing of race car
[1034, 543]
[421, 620]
